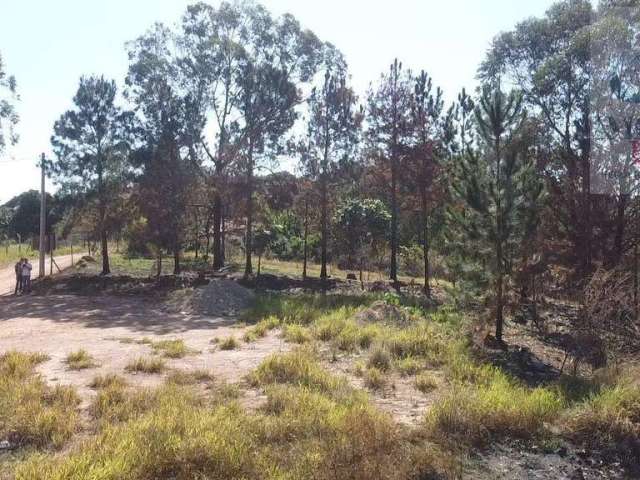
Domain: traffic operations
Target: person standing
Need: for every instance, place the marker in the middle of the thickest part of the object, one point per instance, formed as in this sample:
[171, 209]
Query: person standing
[26, 276]
[18, 270]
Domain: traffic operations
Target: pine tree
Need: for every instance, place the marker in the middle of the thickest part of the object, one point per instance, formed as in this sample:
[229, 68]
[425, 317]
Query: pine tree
[494, 185]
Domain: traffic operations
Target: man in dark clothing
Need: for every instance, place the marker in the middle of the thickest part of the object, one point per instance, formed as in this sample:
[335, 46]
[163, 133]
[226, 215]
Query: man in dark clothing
[18, 270]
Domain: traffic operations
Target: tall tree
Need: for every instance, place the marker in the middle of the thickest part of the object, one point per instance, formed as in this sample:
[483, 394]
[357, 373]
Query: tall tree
[172, 122]
[333, 130]
[549, 59]
[389, 134]
[490, 188]
[91, 143]
[8, 114]
[424, 168]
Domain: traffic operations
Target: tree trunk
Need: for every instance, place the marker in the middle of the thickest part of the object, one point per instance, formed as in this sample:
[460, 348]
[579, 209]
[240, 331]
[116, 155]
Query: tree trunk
[324, 227]
[425, 242]
[197, 236]
[248, 243]
[218, 261]
[499, 252]
[259, 263]
[306, 234]
[394, 221]
[618, 243]
[159, 264]
[176, 261]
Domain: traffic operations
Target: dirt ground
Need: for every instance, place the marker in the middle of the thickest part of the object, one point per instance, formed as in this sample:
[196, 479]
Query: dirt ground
[60, 324]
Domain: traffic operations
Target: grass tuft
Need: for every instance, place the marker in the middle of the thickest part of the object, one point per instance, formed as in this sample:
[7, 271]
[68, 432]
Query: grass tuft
[181, 377]
[426, 382]
[171, 348]
[108, 380]
[146, 365]
[296, 334]
[229, 343]
[80, 360]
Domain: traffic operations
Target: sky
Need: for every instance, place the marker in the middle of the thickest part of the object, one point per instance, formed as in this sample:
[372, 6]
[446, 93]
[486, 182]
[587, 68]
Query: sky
[48, 44]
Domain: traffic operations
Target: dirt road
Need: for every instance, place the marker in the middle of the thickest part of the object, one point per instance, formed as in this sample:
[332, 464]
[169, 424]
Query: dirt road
[8, 277]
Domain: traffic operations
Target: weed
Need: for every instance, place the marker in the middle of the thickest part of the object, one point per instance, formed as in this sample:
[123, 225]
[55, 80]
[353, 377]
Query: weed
[380, 359]
[296, 334]
[181, 377]
[109, 380]
[171, 348]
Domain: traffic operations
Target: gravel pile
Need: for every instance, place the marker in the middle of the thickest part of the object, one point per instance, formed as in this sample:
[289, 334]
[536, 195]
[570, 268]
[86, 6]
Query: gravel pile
[220, 298]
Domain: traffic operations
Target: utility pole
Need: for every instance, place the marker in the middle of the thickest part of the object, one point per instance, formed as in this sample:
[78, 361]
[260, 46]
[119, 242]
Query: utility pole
[43, 217]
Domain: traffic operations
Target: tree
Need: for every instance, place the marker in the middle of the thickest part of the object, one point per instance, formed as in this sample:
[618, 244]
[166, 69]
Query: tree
[24, 215]
[549, 60]
[424, 168]
[389, 132]
[490, 186]
[361, 226]
[333, 129]
[8, 115]
[172, 122]
[91, 143]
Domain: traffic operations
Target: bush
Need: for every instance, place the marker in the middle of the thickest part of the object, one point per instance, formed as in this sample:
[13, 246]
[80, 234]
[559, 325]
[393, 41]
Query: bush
[296, 334]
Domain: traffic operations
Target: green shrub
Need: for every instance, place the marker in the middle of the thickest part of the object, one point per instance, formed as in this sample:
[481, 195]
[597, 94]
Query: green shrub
[380, 359]
[296, 334]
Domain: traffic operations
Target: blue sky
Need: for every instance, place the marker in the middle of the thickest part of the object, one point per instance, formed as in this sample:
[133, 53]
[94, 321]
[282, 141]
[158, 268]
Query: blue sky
[48, 44]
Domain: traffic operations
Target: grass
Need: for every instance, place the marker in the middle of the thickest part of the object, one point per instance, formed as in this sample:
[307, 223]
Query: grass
[108, 380]
[296, 334]
[380, 359]
[181, 377]
[146, 365]
[229, 343]
[608, 419]
[11, 253]
[80, 360]
[374, 378]
[426, 382]
[494, 409]
[171, 348]
[33, 413]
[300, 432]
[299, 368]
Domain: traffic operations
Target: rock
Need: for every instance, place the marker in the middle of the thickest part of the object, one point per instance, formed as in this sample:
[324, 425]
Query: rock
[5, 445]
[577, 474]
[351, 276]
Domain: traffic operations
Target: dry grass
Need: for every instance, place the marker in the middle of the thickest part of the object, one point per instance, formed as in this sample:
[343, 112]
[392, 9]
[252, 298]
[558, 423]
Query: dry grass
[296, 334]
[182, 377]
[146, 365]
[80, 360]
[108, 380]
[374, 378]
[171, 348]
[426, 382]
[229, 343]
[31, 412]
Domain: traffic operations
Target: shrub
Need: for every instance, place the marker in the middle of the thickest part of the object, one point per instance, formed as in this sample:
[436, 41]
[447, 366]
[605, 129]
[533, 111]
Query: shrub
[146, 365]
[409, 365]
[80, 360]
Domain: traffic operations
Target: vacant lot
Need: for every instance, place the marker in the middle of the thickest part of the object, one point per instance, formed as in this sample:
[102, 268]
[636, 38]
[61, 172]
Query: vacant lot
[294, 385]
